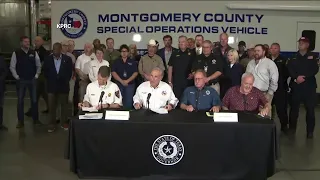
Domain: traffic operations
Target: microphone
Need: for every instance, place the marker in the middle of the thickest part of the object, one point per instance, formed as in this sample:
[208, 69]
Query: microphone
[148, 100]
[100, 99]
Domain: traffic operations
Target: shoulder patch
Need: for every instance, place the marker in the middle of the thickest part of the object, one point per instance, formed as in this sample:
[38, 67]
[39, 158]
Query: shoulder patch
[117, 93]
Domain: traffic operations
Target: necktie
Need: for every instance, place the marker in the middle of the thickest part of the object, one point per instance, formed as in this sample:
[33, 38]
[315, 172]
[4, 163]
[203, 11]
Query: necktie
[198, 51]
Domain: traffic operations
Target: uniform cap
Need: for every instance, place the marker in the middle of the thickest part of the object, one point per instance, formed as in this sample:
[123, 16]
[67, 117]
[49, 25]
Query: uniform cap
[152, 42]
[242, 43]
[304, 39]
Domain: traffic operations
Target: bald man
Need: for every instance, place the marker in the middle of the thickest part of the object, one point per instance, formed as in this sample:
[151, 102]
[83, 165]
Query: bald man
[41, 90]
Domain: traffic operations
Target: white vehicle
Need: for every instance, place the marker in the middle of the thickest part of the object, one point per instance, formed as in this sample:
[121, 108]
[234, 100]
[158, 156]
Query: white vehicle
[136, 22]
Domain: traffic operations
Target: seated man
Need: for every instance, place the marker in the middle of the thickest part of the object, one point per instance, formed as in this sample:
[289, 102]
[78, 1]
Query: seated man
[246, 97]
[200, 96]
[155, 94]
[112, 96]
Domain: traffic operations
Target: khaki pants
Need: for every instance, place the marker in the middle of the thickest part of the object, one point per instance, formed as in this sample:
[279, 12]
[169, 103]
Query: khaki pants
[56, 101]
[269, 97]
[82, 89]
[216, 87]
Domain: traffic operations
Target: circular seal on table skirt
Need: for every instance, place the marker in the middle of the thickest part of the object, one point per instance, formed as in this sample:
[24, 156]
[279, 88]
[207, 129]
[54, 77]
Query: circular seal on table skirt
[168, 150]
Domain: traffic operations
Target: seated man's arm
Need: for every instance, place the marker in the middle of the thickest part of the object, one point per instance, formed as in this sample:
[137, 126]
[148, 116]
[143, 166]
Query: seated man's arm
[226, 100]
[86, 101]
[117, 99]
[184, 100]
[173, 101]
[216, 102]
[263, 101]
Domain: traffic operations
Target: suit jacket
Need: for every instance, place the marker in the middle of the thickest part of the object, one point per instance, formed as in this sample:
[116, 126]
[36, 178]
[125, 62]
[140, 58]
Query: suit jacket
[58, 82]
[161, 53]
[3, 73]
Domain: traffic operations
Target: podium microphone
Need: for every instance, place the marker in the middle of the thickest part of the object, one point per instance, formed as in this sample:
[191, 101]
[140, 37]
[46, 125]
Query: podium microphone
[148, 100]
[100, 99]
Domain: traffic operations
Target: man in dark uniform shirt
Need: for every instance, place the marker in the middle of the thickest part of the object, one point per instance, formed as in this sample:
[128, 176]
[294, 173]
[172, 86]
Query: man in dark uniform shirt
[3, 74]
[222, 51]
[303, 67]
[242, 50]
[280, 99]
[211, 64]
[179, 68]
[41, 90]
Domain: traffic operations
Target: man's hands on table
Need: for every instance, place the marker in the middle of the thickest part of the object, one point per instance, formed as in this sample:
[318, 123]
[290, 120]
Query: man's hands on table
[137, 106]
[84, 104]
[215, 109]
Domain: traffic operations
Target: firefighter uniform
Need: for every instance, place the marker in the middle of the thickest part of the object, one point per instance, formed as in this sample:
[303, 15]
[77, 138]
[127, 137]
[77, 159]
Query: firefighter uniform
[303, 65]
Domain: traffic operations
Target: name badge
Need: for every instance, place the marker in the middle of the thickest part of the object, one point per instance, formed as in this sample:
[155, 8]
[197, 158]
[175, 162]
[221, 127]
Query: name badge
[225, 117]
[310, 57]
[205, 68]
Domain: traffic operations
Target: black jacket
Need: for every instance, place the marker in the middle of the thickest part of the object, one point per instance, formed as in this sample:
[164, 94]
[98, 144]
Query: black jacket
[58, 82]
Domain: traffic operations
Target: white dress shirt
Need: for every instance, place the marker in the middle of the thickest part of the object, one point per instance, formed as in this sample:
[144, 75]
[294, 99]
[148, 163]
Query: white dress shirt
[93, 68]
[160, 96]
[199, 49]
[112, 94]
[82, 60]
[265, 74]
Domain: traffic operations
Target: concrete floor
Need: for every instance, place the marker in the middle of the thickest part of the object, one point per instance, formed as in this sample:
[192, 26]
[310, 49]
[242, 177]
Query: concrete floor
[34, 154]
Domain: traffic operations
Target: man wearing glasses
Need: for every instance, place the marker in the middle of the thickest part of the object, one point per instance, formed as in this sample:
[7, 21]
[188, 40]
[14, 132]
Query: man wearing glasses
[211, 64]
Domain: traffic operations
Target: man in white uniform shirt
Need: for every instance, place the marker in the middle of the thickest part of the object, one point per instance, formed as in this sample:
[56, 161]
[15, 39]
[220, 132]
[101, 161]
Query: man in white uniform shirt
[155, 93]
[93, 66]
[265, 73]
[87, 56]
[112, 96]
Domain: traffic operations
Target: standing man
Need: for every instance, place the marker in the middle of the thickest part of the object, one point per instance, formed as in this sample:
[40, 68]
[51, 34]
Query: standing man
[250, 55]
[111, 54]
[165, 54]
[150, 61]
[303, 67]
[41, 90]
[58, 72]
[199, 40]
[25, 67]
[180, 64]
[242, 50]
[222, 51]
[211, 64]
[265, 73]
[81, 71]
[280, 99]
[3, 75]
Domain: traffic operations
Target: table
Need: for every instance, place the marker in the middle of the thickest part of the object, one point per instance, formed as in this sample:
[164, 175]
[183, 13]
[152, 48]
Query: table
[203, 149]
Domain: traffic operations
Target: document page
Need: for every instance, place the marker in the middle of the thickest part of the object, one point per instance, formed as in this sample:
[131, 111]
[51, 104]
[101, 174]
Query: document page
[160, 111]
[89, 109]
[91, 116]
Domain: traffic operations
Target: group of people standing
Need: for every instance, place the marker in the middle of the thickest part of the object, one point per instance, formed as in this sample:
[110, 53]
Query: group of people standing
[67, 74]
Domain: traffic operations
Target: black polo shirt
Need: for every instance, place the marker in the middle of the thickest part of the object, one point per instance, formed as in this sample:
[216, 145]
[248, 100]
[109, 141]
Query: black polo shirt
[181, 63]
[210, 64]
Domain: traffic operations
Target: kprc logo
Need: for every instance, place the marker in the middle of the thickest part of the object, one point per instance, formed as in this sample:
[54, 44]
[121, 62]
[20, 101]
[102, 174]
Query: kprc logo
[73, 23]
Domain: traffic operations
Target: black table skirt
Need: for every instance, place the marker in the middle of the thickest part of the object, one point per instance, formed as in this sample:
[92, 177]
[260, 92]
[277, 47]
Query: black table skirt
[246, 150]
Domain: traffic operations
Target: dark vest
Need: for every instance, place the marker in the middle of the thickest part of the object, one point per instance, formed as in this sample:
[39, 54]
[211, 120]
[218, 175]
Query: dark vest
[26, 64]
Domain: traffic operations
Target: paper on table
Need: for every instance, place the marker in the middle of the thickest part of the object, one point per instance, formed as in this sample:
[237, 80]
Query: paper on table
[91, 116]
[90, 109]
[160, 111]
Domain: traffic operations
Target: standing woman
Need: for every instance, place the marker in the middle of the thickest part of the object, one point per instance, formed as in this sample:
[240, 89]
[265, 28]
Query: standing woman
[124, 72]
[234, 71]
